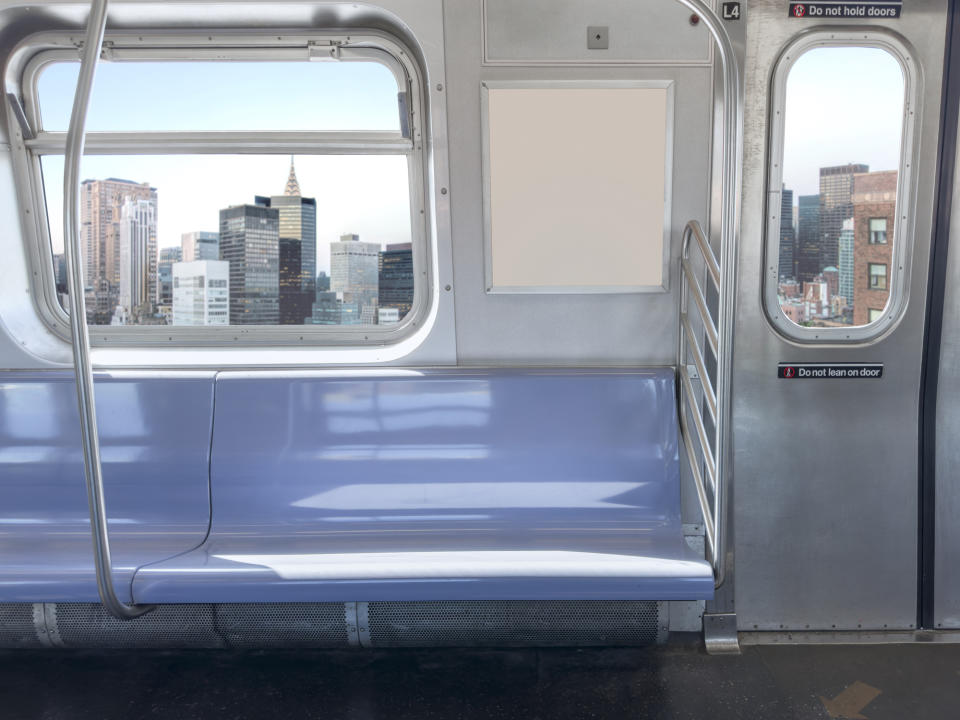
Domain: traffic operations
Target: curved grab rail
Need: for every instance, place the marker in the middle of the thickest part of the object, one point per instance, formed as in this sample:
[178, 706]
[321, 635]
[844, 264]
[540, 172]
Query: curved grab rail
[83, 372]
[723, 275]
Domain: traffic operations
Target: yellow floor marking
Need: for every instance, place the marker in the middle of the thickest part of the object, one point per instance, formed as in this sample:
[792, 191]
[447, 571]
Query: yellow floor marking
[851, 701]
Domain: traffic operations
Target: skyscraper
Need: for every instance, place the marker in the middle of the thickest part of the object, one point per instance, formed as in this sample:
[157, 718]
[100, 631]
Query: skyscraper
[787, 238]
[396, 278]
[354, 274]
[138, 257]
[297, 250]
[808, 238]
[836, 189]
[200, 245]
[101, 205]
[201, 293]
[249, 241]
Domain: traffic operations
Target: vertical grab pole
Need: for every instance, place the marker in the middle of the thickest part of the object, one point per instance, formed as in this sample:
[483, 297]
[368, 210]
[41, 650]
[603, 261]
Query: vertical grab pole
[83, 372]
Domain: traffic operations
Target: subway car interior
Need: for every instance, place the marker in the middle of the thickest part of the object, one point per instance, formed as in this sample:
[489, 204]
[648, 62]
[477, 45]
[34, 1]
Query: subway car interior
[480, 358]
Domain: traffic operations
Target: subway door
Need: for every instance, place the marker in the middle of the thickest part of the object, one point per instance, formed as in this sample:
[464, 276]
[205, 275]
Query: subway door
[841, 131]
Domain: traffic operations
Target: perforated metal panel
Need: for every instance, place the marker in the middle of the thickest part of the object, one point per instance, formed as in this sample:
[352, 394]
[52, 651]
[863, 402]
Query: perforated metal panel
[283, 625]
[514, 623]
[17, 626]
[87, 625]
[322, 625]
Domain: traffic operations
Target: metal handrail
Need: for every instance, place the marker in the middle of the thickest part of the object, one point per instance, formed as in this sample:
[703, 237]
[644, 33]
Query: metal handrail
[83, 371]
[690, 411]
[723, 273]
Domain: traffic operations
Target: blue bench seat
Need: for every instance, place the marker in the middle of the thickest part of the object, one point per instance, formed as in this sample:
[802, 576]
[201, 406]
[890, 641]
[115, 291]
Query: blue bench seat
[440, 484]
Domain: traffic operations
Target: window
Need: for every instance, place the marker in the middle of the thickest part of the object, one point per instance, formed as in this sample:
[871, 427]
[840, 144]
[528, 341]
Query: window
[878, 231]
[842, 139]
[292, 190]
[876, 276]
[875, 314]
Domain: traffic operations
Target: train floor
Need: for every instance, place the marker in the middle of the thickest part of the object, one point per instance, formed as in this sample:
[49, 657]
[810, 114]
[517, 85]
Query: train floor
[672, 681]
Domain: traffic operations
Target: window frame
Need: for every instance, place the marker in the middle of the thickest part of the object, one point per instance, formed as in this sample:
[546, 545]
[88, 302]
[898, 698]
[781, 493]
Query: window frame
[359, 45]
[871, 275]
[870, 231]
[898, 277]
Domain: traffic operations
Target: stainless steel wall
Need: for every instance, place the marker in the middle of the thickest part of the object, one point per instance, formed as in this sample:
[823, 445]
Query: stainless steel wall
[568, 329]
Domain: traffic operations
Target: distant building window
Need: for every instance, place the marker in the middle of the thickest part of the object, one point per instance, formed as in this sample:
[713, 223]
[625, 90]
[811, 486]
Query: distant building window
[875, 314]
[877, 276]
[878, 231]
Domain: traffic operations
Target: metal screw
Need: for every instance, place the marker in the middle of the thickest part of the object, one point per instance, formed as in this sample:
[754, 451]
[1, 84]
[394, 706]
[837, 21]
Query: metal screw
[439, 86]
[443, 191]
[447, 288]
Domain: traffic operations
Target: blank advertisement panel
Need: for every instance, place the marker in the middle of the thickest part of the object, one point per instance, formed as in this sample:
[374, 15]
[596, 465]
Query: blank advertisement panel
[576, 184]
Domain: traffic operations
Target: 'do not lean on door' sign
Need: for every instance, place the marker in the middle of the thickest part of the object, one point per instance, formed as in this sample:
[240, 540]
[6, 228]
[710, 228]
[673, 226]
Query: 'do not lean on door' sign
[831, 371]
[840, 9]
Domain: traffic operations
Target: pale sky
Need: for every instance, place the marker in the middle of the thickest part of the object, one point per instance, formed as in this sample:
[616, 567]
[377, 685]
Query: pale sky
[844, 105]
[366, 195]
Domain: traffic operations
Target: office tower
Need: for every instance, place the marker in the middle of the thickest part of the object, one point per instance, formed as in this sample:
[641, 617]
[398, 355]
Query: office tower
[101, 204]
[298, 250]
[874, 200]
[138, 258]
[249, 241]
[845, 266]
[323, 282]
[787, 238]
[396, 279]
[60, 273]
[836, 189]
[200, 245]
[201, 292]
[354, 274]
[168, 256]
[808, 238]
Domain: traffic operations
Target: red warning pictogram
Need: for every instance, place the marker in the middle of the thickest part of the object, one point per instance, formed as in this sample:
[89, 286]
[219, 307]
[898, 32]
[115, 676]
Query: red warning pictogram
[789, 372]
[799, 10]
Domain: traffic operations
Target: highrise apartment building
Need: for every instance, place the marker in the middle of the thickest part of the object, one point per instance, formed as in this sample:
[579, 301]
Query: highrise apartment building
[138, 257]
[297, 250]
[168, 256]
[354, 274]
[201, 292]
[874, 203]
[101, 206]
[200, 245]
[836, 191]
[787, 237]
[845, 266]
[249, 242]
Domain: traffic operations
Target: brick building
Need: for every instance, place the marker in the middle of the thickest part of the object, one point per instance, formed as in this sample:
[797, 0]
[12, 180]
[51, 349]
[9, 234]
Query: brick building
[874, 201]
